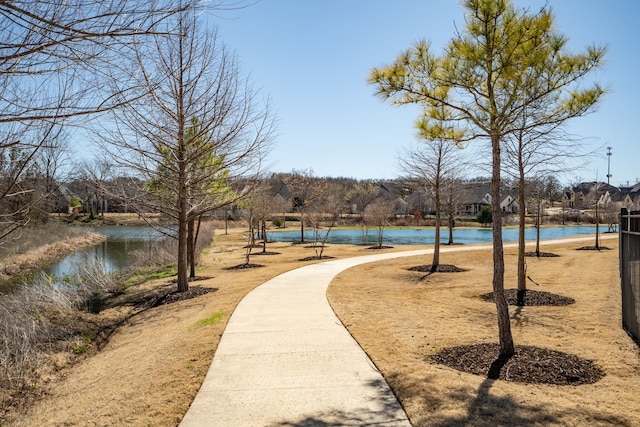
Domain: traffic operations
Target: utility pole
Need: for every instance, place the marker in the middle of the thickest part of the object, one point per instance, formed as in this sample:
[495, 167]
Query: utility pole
[608, 164]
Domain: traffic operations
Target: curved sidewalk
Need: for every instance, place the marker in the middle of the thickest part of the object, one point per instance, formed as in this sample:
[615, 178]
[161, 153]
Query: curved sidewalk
[285, 359]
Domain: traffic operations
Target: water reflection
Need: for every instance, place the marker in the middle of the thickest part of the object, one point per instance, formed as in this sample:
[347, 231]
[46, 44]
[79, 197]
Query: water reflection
[114, 254]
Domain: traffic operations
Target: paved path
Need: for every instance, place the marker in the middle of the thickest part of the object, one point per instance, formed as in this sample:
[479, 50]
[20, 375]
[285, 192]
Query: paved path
[285, 359]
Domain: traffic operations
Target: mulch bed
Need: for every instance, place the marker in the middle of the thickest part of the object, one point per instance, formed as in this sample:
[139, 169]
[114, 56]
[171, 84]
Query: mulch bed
[532, 365]
[315, 258]
[541, 254]
[441, 268]
[265, 253]
[593, 248]
[244, 266]
[175, 296]
[532, 298]
[380, 247]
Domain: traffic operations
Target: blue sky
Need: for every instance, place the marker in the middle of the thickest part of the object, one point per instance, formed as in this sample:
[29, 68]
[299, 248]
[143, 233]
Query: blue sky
[312, 58]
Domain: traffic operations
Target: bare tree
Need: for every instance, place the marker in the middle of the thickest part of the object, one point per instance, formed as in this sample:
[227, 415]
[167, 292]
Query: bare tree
[195, 130]
[431, 162]
[535, 149]
[300, 184]
[23, 186]
[263, 205]
[361, 195]
[324, 213]
[54, 55]
[378, 214]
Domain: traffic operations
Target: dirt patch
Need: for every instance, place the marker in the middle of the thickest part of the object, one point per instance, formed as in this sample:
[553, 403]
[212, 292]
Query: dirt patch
[528, 365]
[441, 268]
[531, 298]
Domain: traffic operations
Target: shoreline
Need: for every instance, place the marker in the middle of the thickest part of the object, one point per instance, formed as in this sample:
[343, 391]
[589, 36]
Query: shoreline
[15, 266]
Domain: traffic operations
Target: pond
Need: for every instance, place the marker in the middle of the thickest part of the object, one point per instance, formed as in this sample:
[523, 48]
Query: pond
[114, 253]
[426, 236]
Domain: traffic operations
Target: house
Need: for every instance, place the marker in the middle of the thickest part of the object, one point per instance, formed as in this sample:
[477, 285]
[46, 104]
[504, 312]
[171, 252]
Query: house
[475, 196]
[586, 194]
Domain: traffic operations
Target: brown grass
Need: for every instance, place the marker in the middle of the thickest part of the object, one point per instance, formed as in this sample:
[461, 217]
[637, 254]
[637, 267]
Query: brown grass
[149, 371]
[401, 322]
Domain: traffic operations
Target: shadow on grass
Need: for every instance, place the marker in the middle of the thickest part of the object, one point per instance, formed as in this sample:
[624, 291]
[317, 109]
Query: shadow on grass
[382, 409]
[481, 408]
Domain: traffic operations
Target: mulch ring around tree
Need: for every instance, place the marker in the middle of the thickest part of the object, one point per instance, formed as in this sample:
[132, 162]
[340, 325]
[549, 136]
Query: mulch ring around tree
[315, 258]
[440, 268]
[541, 254]
[532, 365]
[244, 266]
[593, 248]
[532, 298]
[380, 247]
[265, 253]
[175, 296]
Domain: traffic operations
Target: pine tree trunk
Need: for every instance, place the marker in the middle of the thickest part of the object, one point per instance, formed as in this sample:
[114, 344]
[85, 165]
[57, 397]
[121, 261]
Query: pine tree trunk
[507, 348]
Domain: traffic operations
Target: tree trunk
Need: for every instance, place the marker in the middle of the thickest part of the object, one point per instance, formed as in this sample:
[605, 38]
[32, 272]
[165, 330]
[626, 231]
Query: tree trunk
[183, 280]
[191, 248]
[507, 348]
[436, 244]
[538, 223]
[522, 265]
[250, 243]
[226, 221]
[452, 219]
[597, 223]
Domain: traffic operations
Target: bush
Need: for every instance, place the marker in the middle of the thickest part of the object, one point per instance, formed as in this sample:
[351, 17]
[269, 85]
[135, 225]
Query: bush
[484, 217]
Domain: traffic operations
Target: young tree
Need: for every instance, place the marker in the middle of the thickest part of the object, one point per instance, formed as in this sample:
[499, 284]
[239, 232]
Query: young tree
[193, 132]
[360, 195]
[452, 197]
[300, 184]
[542, 190]
[535, 149]
[378, 213]
[430, 163]
[324, 213]
[483, 81]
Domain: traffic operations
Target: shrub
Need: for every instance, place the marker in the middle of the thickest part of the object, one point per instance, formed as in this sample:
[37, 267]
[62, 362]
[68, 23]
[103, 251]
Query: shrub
[484, 217]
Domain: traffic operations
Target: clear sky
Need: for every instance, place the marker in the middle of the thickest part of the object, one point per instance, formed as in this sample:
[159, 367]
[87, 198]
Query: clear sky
[312, 58]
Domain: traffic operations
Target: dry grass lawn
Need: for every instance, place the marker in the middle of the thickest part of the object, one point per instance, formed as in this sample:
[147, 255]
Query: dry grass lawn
[401, 321]
[148, 372]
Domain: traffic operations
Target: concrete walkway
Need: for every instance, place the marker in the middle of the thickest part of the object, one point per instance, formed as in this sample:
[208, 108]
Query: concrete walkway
[285, 359]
